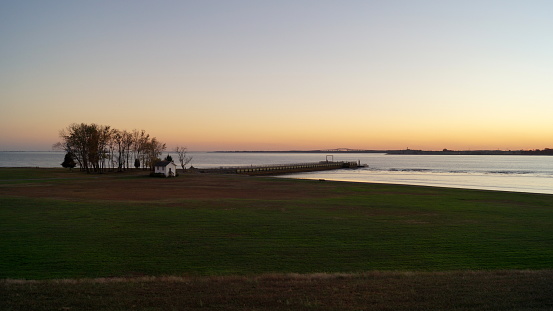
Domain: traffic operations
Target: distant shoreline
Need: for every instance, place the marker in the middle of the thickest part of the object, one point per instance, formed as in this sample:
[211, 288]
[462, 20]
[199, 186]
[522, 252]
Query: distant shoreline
[545, 151]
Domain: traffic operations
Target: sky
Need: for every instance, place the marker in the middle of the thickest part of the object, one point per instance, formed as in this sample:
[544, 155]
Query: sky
[281, 75]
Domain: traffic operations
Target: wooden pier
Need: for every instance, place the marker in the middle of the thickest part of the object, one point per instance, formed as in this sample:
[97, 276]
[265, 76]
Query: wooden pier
[278, 169]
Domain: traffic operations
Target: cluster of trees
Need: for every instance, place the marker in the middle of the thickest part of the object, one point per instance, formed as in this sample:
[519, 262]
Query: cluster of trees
[97, 148]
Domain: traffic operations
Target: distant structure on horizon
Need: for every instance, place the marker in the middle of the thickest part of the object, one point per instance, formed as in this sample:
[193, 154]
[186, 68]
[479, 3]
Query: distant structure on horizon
[343, 150]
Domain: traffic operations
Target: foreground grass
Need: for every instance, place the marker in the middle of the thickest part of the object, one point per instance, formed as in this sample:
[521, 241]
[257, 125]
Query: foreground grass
[462, 290]
[218, 244]
[359, 227]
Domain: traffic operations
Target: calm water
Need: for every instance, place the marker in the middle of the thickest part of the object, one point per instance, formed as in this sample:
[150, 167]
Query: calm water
[510, 173]
[31, 159]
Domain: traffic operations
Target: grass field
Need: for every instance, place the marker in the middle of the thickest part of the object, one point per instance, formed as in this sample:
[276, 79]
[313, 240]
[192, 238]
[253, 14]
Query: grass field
[56, 224]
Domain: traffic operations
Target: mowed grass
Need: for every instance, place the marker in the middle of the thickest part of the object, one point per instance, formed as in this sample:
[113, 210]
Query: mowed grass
[355, 228]
[28, 175]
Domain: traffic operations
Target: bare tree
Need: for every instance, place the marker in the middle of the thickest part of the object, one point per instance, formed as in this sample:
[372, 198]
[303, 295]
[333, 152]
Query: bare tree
[105, 136]
[110, 151]
[118, 140]
[183, 158]
[140, 142]
[153, 151]
[127, 144]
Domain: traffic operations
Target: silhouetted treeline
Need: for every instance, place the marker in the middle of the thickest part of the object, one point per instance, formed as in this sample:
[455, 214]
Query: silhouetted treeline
[99, 147]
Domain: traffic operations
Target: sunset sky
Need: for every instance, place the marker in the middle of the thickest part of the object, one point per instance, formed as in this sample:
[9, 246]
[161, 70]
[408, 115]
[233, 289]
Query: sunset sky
[280, 75]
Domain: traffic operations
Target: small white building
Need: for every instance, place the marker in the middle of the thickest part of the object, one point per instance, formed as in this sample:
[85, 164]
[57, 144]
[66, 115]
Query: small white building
[167, 168]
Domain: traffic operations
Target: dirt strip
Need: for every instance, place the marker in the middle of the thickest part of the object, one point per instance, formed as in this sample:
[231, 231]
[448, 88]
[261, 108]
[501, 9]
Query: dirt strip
[457, 290]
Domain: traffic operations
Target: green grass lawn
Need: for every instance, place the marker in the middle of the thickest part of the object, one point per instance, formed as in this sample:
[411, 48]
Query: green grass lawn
[26, 175]
[10, 176]
[362, 227]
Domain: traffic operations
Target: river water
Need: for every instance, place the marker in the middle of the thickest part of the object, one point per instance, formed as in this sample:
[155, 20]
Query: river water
[495, 172]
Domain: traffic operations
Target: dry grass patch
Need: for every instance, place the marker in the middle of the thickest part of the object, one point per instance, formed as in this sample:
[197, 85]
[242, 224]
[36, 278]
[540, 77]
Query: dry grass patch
[458, 290]
[133, 187]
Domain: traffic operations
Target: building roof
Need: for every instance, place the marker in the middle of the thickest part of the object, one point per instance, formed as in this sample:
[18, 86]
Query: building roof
[164, 163]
